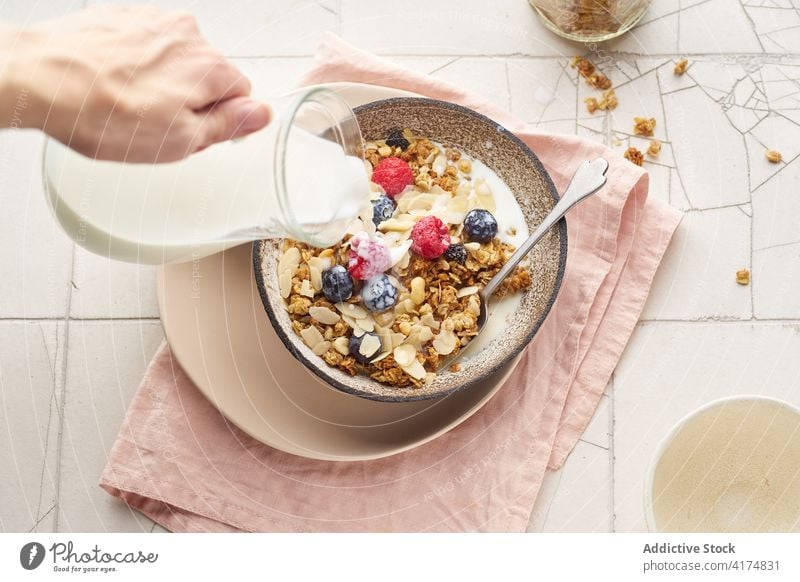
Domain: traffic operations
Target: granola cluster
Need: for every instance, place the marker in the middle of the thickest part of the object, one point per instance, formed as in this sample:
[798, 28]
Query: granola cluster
[435, 304]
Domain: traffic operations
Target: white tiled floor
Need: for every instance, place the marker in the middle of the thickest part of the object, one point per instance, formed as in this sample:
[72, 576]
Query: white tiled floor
[76, 331]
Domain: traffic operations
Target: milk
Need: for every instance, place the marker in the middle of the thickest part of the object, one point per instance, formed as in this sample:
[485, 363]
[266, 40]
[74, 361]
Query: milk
[512, 229]
[215, 199]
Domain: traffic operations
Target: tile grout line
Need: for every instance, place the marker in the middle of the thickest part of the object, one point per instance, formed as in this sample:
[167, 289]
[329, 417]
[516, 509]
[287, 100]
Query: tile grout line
[63, 396]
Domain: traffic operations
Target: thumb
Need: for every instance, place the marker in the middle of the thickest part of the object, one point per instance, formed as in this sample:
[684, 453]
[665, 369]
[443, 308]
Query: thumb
[229, 119]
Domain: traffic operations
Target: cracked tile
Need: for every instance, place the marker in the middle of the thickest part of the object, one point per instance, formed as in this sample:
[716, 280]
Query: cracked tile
[717, 26]
[677, 196]
[778, 29]
[596, 432]
[436, 28]
[255, 28]
[485, 77]
[30, 360]
[696, 279]
[575, 498]
[542, 90]
[36, 274]
[639, 98]
[651, 392]
[709, 151]
[778, 133]
[668, 81]
[716, 78]
[775, 280]
[105, 365]
[103, 288]
[655, 37]
[776, 209]
[271, 77]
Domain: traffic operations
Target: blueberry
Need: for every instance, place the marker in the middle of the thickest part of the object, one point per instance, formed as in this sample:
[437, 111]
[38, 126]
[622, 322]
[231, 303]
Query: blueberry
[480, 225]
[456, 253]
[355, 347]
[337, 284]
[378, 293]
[396, 139]
[382, 209]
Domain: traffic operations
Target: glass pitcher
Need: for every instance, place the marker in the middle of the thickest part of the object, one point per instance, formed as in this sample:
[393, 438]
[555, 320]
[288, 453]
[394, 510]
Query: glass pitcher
[303, 176]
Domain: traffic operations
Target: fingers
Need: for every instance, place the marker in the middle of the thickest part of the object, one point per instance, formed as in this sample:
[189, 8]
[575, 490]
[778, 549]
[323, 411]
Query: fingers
[229, 119]
[219, 81]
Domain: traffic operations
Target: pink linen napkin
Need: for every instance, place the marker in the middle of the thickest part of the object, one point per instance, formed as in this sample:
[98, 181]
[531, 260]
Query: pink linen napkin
[483, 475]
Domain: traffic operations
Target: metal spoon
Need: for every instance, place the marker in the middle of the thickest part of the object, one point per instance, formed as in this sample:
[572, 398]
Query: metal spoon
[588, 179]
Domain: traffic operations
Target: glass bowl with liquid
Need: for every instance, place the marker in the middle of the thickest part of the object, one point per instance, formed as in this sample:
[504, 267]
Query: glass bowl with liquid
[590, 20]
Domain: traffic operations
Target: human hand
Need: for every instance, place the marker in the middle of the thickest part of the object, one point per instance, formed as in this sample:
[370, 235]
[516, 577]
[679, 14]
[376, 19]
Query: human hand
[131, 84]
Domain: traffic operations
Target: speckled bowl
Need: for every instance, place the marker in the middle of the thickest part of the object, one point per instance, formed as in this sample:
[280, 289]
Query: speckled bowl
[518, 166]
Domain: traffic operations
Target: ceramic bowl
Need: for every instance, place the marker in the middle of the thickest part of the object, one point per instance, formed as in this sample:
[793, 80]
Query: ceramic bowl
[520, 169]
[732, 465]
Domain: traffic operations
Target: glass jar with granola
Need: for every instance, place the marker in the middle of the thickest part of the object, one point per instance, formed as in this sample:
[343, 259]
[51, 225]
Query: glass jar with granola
[590, 20]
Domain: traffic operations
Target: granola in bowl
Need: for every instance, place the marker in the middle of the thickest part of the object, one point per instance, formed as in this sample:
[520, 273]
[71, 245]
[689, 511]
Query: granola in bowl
[495, 173]
[400, 292]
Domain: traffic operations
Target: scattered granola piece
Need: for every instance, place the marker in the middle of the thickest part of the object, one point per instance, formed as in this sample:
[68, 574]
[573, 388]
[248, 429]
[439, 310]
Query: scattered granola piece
[654, 148]
[608, 100]
[591, 104]
[644, 126]
[590, 74]
[774, 156]
[743, 277]
[599, 81]
[680, 67]
[634, 156]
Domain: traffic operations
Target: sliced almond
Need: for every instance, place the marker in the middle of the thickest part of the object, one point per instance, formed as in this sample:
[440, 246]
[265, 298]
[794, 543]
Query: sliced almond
[415, 370]
[324, 315]
[393, 224]
[472, 246]
[321, 348]
[405, 354]
[384, 319]
[397, 339]
[445, 342]
[465, 291]
[349, 321]
[311, 336]
[425, 334]
[307, 289]
[367, 324]
[352, 310]
[315, 268]
[369, 345]
[429, 321]
[379, 357]
[341, 345]
[287, 268]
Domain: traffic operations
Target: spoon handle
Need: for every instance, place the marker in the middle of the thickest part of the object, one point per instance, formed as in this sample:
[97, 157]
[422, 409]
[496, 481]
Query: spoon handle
[589, 177]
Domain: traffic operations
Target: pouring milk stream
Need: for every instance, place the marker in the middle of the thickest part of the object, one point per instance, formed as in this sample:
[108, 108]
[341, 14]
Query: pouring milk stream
[288, 179]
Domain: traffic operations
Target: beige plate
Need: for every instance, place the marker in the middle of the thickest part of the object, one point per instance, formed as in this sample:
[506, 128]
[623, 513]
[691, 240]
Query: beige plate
[215, 323]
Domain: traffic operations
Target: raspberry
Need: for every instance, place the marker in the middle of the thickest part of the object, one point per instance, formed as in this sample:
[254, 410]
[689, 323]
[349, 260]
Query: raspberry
[456, 253]
[368, 257]
[393, 175]
[430, 237]
[480, 225]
